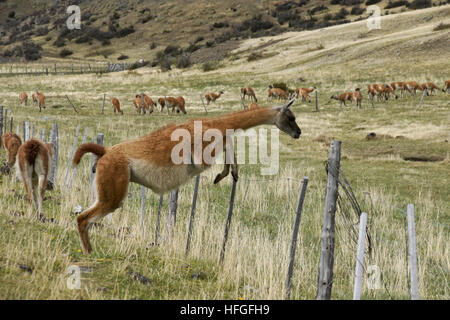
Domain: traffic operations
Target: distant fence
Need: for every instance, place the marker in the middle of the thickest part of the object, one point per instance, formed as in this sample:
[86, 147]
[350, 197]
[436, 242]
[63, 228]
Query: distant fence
[61, 68]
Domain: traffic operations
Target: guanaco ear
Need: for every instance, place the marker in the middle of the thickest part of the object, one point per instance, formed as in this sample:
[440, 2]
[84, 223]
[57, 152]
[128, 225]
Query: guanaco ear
[287, 105]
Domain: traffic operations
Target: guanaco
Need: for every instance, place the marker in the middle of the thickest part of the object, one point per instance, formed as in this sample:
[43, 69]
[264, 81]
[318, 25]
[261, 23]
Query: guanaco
[248, 92]
[40, 99]
[23, 98]
[446, 86]
[116, 106]
[304, 93]
[178, 103]
[11, 142]
[387, 91]
[357, 97]
[162, 103]
[374, 91]
[33, 164]
[398, 85]
[430, 86]
[411, 87]
[212, 97]
[346, 96]
[277, 93]
[148, 103]
[148, 160]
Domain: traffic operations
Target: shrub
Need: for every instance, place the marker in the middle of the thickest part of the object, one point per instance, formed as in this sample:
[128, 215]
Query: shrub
[419, 4]
[357, 10]
[31, 51]
[396, 4]
[122, 57]
[341, 14]
[371, 2]
[59, 42]
[172, 50]
[42, 31]
[442, 26]
[65, 52]
[219, 25]
[11, 14]
[184, 61]
[254, 56]
[210, 65]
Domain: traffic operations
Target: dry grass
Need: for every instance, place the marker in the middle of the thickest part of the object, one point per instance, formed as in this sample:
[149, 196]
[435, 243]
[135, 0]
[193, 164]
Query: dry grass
[257, 252]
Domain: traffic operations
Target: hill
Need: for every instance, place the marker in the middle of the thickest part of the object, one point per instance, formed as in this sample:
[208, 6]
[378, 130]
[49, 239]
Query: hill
[166, 32]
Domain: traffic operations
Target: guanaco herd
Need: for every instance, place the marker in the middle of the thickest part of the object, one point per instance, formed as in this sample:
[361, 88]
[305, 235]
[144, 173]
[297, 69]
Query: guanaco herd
[147, 160]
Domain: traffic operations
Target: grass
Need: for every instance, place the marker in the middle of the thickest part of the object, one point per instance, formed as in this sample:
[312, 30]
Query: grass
[257, 254]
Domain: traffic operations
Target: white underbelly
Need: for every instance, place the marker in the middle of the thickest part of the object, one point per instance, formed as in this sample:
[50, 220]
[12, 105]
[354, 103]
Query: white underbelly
[162, 179]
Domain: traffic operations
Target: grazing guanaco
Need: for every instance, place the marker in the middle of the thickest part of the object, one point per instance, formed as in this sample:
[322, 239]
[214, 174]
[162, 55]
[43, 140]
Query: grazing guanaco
[11, 143]
[346, 96]
[398, 85]
[411, 87]
[33, 164]
[148, 103]
[177, 103]
[387, 91]
[148, 160]
[430, 86]
[23, 98]
[446, 86]
[277, 93]
[357, 97]
[116, 105]
[374, 91]
[304, 93]
[248, 92]
[212, 97]
[162, 103]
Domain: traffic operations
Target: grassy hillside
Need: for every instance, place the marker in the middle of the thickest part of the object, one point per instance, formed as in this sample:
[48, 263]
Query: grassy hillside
[408, 162]
[203, 30]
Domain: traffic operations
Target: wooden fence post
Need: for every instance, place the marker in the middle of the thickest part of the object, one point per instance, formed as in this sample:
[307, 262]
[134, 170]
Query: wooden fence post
[203, 102]
[298, 214]
[54, 139]
[143, 210]
[143, 104]
[1, 121]
[325, 278]
[191, 220]
[72, 104]
[243, 103]
[74, 170]
[6, 121]
[71, 154]
[171, 217]
[227, 225]
[103, 105]
[12, 122]
[158, 219]
[425, 91]
[412, 252]
[91, 168]
[26, 131]
[360, 256]
[317, 101]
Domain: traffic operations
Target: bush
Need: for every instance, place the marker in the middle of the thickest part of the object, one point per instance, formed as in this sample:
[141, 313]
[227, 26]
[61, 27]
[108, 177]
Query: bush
[41, 31]
[255, 56]
[65, 52]
[219, 25]
[172, 50]
[184, 61]
[371, 2]
[11, 14]
[122, 57]
[442, 26]
[341, 14]
[357, 10]
[419, 4]
[59, 42]
[210, 65]
[396, 4]
[31, 51]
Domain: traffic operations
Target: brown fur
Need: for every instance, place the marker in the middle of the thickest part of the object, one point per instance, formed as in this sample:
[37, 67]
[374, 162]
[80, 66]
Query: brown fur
[178, 103]
[212, 97]
[148, 103]
[40, 99]
[304, 93]
[446, 86]
[430, 86]
[11, 143]
[33, 162]
[162, 103]
[248, 92]
[253, 105]
[346, 96]
[277, 93]
[116, 105]
[147, 160]
[23, 98]
[398, 85]
[411, 87]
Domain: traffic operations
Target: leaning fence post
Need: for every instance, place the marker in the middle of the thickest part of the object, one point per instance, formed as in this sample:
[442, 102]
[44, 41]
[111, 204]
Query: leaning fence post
[360, 256]
[72, 104]
[54, 140]
[143, 209]
[74, 170]
[6, 121]
[143, 103]
[412, 252]
[1, 121]
[191, 220]
[227, 225]
[425, 91]
[71, 154]
[204, 106]
[12, 122]
[317, 101]
[298, 214]
[158, 219]
[26, 131]
[325, 278]
[171, 213]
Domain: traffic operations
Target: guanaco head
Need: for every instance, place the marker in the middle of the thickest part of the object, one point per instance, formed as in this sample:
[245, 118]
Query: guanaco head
[285, 120]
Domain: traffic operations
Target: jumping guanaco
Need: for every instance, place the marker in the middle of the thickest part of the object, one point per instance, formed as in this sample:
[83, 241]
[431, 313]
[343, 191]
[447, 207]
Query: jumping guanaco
[148, 160]
[212, 97]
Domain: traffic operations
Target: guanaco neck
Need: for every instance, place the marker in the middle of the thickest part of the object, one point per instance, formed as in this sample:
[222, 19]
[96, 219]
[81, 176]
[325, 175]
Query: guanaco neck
[243, 119]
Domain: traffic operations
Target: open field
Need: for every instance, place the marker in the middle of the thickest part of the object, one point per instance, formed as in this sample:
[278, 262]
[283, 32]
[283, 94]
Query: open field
[405, 48]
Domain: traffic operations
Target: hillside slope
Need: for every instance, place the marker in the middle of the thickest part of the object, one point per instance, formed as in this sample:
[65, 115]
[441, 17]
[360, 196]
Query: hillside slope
[203, 30]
